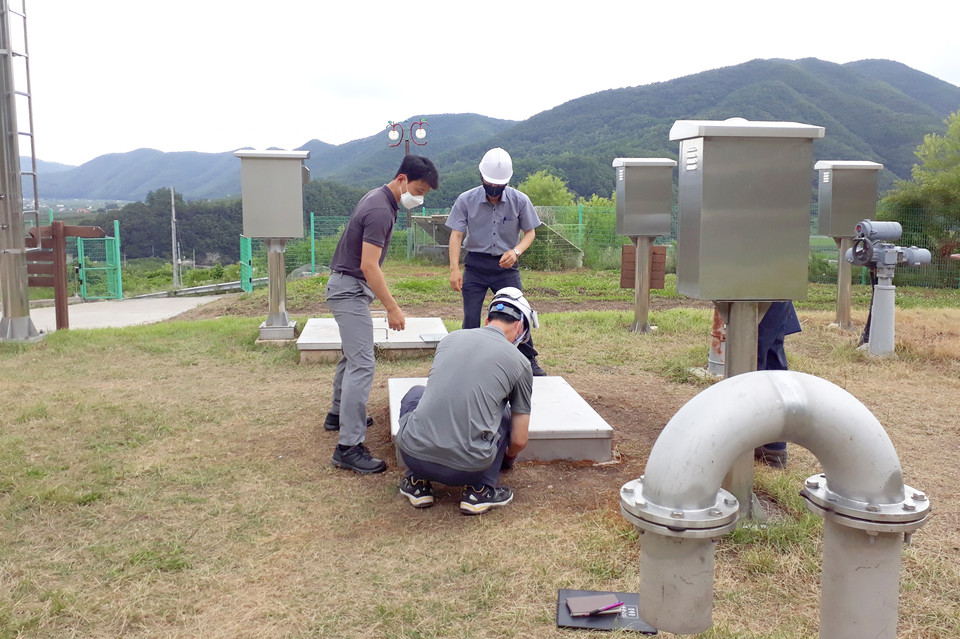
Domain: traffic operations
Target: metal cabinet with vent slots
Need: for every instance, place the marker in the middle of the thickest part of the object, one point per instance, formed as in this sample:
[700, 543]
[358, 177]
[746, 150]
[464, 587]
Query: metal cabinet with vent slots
[744, 208]
[847, 194]
[644, 195]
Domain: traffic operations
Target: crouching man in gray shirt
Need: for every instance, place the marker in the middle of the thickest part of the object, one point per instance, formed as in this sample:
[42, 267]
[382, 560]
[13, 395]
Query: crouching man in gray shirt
[473, 413]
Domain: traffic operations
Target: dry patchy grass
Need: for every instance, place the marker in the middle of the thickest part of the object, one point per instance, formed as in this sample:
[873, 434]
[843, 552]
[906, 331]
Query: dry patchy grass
[174, 481]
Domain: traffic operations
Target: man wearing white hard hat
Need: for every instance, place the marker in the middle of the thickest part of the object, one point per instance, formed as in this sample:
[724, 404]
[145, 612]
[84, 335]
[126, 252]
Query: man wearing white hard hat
[487, 221]
[472, 418]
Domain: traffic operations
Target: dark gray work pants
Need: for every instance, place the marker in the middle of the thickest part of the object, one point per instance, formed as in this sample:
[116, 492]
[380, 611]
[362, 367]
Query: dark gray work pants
[482, 272]
[349, 299]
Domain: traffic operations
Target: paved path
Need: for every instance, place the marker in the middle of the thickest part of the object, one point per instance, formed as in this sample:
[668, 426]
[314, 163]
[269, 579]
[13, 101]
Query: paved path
[118, 313]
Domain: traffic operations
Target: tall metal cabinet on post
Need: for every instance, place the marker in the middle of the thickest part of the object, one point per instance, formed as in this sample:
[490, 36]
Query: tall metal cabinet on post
[271, 183]
[644, 201]
[744, 232]
[847, 194]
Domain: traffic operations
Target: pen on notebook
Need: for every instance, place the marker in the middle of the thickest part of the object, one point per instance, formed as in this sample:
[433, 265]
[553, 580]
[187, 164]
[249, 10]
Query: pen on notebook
[599, 610]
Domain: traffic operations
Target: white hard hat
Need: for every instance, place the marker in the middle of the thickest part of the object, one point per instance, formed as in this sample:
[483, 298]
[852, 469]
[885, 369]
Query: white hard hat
[510, 300]
[496, 167]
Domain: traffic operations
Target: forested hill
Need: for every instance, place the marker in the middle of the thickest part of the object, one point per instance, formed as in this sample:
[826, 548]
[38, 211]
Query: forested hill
[875, 110]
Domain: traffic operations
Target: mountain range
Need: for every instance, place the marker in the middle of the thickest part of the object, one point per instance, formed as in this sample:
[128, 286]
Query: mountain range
[877, 110]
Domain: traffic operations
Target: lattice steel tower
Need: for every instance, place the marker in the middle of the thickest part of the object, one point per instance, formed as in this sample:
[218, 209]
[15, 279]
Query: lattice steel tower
[15, 323]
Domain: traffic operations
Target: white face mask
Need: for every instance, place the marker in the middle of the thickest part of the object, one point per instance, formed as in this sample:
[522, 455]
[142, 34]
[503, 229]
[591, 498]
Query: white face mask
[521, 334]
[410, 201]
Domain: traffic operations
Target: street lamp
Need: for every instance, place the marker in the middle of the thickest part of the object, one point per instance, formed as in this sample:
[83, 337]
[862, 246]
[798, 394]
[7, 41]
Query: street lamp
[416, 132]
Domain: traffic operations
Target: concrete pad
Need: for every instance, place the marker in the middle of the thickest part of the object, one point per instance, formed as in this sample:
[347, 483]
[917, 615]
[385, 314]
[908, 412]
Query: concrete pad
[562, 424]
[320, 339]
[118, 313]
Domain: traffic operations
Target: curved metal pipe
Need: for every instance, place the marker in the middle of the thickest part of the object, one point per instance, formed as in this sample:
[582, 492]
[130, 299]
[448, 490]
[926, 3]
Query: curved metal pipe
[698, 445]
[680, 502]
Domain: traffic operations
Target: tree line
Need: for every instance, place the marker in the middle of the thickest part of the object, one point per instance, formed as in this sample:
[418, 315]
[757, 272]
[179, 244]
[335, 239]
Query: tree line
[928, 205]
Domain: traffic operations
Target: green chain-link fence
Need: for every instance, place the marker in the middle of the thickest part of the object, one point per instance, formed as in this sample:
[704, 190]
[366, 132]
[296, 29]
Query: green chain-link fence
[584, 236]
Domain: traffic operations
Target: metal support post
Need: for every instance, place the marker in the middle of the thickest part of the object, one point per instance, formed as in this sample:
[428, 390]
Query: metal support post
[843, 285]
[278, 324]
[741, 357]
[641, 284]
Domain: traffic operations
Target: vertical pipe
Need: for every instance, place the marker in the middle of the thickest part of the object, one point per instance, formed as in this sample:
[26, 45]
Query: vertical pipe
[843, 284]
[741, 357]
[861, 582]
[718, 337]
[882, 314]
[676, 583]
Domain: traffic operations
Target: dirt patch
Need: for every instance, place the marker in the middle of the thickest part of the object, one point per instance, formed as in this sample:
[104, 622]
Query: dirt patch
[237, 306]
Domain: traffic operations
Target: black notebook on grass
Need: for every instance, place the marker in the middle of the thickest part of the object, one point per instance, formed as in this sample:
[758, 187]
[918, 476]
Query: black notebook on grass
[623, 617]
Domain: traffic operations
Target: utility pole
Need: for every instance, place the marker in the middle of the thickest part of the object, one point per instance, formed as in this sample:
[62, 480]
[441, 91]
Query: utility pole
[173, 242]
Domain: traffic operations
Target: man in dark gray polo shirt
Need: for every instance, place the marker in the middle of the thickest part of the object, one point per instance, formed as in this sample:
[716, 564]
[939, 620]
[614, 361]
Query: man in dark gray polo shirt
[491, 217]
[473, 413]
[355, 280]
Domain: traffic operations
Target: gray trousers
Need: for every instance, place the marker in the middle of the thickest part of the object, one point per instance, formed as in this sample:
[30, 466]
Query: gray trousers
[349, 299]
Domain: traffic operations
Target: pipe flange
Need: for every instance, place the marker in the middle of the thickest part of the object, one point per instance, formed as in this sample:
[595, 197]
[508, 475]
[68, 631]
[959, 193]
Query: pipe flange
[712, 521]
[870, 527]
[911, 512]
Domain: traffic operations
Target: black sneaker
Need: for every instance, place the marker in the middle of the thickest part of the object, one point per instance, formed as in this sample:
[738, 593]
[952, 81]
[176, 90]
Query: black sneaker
[535, 367]
[332, 422]
[358, 458]
[479, 499]
[772, 457]
[418, 491]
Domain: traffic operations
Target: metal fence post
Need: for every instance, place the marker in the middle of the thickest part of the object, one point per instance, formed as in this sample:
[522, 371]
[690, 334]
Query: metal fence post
[580, 226]
[116, 248]
[313, 246]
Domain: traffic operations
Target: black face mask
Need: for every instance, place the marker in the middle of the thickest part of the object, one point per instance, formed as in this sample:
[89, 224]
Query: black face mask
[494, 190]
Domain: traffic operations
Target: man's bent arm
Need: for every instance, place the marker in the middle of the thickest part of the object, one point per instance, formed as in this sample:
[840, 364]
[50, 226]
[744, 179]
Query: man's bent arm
[519, 433]
[510, 258]
[456, 277]
[370, 265]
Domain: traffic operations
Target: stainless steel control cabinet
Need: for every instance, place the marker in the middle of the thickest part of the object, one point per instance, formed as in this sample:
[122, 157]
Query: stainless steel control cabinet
[744, 208]
[271, 183]
[847, 194]
[644, 196]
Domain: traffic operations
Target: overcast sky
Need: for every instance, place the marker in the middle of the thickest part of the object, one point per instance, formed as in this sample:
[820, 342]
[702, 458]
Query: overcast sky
[110, 76]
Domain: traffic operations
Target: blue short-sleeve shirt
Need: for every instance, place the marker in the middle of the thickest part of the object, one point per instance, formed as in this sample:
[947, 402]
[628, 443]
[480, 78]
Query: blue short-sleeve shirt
[492, 229]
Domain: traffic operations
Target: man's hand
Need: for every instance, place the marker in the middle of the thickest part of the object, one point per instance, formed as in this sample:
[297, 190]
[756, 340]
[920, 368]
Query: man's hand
[396, 319]
[456, 280]
[508, 259]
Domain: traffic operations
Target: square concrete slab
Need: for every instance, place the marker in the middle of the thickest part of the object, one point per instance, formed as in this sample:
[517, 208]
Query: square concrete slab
[562, 424]
[320, 339]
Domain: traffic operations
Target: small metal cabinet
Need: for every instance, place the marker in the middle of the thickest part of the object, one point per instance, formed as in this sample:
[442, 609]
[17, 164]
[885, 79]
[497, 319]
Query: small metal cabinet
[744, 208]
[271, 184]
[847, 194]
[644, 195]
